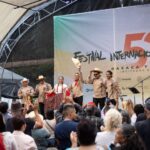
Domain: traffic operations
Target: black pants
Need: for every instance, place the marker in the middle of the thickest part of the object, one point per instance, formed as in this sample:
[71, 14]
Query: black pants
[78, 100]
[100, 101]
[41, 106]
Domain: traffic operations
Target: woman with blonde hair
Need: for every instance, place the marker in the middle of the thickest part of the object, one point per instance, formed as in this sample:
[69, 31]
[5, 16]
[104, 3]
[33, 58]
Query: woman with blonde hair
[112, 121]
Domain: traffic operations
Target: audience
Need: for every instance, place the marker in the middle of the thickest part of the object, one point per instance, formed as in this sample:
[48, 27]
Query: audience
[112, 121]
[126, 138]
[64, 128]
[143, 127]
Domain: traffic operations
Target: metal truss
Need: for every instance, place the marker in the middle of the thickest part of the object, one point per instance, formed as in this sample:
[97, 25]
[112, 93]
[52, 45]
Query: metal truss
[38, 15]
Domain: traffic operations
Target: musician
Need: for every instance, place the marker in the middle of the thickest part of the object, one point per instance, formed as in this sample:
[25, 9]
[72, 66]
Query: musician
[60, 87]
[99, 89]
[25, 93]
[76, 87]
[41, 90]
[112, 87]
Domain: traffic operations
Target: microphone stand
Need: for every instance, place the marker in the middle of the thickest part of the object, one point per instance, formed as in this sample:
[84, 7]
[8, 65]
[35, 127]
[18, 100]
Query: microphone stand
[142, 85]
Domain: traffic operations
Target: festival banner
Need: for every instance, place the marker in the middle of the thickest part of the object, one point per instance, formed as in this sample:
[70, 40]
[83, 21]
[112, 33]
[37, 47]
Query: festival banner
[114, 39]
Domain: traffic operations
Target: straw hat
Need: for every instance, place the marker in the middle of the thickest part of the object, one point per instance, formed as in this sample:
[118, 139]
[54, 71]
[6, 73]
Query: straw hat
[24, 80]
[96, 70]
[40, 77]
[76, 62]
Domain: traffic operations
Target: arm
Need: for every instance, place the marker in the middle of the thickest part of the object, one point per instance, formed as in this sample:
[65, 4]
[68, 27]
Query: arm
[20, 93]
[90, 80]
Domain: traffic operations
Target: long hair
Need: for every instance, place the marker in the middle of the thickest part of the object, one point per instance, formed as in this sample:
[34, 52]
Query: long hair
[2, 125]
[132, 139]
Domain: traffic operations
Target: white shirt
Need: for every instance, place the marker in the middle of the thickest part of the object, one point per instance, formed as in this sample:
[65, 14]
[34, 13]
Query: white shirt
[24, 142]
[105, 138]
[60, 88]
[133, 119]
[9, 141]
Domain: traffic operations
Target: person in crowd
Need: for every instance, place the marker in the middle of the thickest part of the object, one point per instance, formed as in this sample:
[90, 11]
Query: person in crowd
[76, 88]
[108, 105]
[85, 128]
[126, 138]
[64, 128]
[18, 110]
[39, 133]
[25, 93]
[112, 87]
[41, 90]
[49, 123]
[98, 87]
[112, 121]
[7, 140]
[4, 111]
[90, 115]
[125, 117]
[143, 127]
[60, 87]
[23, 141]
[139, 112]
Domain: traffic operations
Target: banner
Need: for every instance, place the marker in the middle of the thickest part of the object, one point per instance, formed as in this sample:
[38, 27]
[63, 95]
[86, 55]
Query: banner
[114, 39]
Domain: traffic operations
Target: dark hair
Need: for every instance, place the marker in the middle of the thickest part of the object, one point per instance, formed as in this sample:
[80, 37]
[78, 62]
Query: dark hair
[138, 109]
[2, 125]
[67, 108]
[88, 128]
[125, 117]
[132, 140]
[3, 107]
[18, 122]
[110, 72]
[50, 114]
[90, 111]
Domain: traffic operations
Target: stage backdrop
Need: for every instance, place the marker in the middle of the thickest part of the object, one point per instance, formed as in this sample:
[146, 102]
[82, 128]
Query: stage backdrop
[113, 39]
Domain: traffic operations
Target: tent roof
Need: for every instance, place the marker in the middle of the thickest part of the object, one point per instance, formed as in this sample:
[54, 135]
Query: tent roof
[11, 11]
[9, 75]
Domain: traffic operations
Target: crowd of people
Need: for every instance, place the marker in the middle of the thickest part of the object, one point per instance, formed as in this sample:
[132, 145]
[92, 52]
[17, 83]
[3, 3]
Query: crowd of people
[70, 124]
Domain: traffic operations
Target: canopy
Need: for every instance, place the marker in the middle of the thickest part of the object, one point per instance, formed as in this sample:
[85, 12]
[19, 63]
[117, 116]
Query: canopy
[9, 83]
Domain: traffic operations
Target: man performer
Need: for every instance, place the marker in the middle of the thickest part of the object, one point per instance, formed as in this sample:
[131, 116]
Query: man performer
[41, 90]
[25, 93]
[112, 88]
[76, 87]
[98, 87]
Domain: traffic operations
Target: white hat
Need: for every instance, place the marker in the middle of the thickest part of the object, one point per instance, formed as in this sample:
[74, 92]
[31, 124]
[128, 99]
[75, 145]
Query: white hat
[24, 80]
[76, 62]
[97, 70]
[40, 77]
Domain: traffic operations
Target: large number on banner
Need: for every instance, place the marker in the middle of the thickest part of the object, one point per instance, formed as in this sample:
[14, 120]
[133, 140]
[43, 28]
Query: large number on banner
[128, 46]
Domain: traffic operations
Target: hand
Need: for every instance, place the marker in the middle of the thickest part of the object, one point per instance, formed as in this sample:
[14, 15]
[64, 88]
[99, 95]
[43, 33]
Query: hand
[73, 138]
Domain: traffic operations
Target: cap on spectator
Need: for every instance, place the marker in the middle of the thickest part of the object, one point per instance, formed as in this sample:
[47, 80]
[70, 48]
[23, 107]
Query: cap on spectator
[24, 80]
[91, 104]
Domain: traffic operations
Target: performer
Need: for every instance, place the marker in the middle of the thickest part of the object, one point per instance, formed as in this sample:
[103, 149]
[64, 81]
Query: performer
[41, 90]
[112, 88]
[98, 87]
[60, 87]
[25, 93]
[76, 87]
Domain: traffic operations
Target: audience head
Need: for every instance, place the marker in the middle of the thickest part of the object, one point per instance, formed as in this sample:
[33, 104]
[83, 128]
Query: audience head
[69, 111]
[125, 117]
[88, 128]
[16, 108]
[127, 137]
[3, 107]
[138, 109]
[2, 124]
[50, 114]
[19, 123]
[112, 120]
[147, 107]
